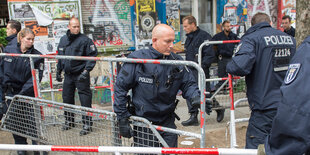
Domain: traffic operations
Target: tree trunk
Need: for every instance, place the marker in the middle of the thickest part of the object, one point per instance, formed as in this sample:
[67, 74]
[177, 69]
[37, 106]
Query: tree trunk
[302, 20]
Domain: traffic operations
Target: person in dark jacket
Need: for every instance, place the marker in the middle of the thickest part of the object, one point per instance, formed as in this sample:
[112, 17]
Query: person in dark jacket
[224, 53]
[286, 24]
[76, 72]
[290, 129]
[262, 56]
[17, 80]
[12, 28]
[154, 87]
[195, 37]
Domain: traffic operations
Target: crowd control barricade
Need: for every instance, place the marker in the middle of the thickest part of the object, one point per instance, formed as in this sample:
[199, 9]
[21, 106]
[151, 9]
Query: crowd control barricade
[44, 115]
[131, 150]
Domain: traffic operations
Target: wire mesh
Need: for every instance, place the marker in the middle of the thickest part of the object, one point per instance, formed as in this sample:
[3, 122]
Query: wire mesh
[222, 96]
[54, 123]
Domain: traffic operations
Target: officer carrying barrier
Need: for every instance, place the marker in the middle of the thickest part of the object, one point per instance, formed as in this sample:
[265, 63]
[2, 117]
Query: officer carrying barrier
[39, 119]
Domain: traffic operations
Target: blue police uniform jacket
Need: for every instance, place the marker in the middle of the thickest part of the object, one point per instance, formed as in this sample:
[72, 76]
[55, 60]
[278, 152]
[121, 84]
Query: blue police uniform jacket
[290, 130]
[192, 43]
[154, 86]
[12, 40]
[225, 50]
[17, 71]
[263, 56]
[79, 45]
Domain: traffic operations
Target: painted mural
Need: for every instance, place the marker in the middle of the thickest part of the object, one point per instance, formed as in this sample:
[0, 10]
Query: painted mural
[233, 10]
[267, 6]
[108, 23]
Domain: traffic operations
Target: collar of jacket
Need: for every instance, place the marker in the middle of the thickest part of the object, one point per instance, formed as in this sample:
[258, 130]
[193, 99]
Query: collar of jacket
[155, 54]
[11, 37]
[29, 51]
[257, 27]
[192, 34]
[71, 36]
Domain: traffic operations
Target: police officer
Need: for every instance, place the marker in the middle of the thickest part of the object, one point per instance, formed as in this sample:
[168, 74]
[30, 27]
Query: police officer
[263, 56]
[154, 87]
[12, 28]
[290, 128]
[76, 72]
[195, 37]
[17, 80]
[224, 54]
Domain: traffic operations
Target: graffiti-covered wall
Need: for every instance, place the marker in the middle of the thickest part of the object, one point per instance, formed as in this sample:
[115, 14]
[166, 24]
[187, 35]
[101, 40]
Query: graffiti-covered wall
[108, 23]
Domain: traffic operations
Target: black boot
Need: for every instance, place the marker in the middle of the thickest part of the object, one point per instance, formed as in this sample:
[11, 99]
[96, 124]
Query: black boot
[192, 121]
[69, 121]
[87, 127]
[220, 111]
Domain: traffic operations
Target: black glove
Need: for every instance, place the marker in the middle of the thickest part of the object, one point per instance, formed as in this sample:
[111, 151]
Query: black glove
[124, 128]
[196, 104]
[83, 76]
[58, 76]
[208, 106]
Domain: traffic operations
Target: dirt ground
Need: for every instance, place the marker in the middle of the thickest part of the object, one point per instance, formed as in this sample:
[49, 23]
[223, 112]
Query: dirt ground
[217, 134]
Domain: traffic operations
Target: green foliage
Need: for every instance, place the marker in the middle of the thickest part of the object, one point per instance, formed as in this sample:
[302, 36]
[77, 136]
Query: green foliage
[240, 86]
[3, 36]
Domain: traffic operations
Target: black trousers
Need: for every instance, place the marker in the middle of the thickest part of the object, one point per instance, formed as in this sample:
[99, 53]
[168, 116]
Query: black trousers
[70, 84]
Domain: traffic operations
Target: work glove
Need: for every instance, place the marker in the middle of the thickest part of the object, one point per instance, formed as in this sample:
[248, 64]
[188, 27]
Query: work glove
[124, 128]
[58, 76]
[83, 76]
[196, 104]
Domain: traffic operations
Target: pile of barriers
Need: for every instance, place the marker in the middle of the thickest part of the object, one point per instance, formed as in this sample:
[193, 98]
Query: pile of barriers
[41, 120]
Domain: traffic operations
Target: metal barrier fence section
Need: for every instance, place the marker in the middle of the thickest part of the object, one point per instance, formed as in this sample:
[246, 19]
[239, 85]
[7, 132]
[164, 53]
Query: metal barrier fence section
[44, 121]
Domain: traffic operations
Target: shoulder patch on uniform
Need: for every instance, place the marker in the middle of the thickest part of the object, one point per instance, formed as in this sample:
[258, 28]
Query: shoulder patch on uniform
[92, 47]
[238, 48]
[292, 72]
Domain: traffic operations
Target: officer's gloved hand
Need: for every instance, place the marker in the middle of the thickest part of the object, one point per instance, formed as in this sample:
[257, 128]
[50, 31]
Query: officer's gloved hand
[124, 128]
[58, 76]
[196, 104]
[208, 106]
[83, 76]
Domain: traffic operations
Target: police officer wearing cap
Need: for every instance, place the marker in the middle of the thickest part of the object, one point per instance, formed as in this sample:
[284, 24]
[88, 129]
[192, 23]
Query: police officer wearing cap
[17, 80]
[290, 129]
[154, 88]
[262, 56]
[76, 72]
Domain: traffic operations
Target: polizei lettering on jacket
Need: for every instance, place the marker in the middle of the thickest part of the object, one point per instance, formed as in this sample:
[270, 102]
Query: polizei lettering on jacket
[278, 40]
[145, 80]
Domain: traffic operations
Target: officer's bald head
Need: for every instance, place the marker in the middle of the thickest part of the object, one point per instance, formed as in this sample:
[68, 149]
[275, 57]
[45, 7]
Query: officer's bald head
[163, 38]
[74, 25]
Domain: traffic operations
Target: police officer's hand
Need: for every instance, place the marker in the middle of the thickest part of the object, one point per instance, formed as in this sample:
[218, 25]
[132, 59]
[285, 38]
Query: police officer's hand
[208, 106]
[83, 76]
[196, 102]
[58, 76]
[124, 128]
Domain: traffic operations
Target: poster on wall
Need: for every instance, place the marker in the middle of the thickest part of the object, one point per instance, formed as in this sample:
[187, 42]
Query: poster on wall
[146, 18]
[173, 17]
[47, 19]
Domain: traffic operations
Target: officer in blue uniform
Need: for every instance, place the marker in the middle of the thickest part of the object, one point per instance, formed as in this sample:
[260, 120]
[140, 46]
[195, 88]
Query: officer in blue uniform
[290, 129]
[154, 88]
[194, 38]
[17, 80]
[76, 72]
[12, 28]
[262, 56]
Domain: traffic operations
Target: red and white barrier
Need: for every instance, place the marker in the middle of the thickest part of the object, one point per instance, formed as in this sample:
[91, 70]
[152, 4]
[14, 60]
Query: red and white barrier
[147, 150]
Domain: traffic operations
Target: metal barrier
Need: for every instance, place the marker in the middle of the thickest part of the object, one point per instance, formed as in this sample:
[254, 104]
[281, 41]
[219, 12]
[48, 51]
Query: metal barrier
[54, 115]
[132, 150]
